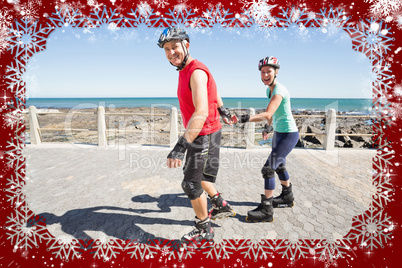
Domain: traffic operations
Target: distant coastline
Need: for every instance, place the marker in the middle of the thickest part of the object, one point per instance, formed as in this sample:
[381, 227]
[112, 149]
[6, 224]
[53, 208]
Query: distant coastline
[359, 106]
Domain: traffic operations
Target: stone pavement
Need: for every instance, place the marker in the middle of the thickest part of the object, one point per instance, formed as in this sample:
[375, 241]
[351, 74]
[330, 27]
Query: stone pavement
[85, 191]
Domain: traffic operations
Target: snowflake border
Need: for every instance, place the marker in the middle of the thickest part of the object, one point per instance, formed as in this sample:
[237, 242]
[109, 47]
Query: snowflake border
[375, 50]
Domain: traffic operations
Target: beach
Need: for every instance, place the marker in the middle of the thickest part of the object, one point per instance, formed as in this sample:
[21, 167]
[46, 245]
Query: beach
[151, 125]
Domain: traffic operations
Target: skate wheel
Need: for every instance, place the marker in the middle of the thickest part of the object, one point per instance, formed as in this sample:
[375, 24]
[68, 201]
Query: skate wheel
[247, 219]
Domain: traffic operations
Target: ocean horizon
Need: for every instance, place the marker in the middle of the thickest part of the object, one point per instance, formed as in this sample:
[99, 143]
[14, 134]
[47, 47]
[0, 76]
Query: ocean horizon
[361, 106]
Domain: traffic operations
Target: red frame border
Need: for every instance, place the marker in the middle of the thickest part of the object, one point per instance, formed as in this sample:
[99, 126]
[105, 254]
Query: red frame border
[379, 257]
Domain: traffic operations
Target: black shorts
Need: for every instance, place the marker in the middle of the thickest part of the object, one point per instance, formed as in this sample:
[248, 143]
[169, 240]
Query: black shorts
[202, 158]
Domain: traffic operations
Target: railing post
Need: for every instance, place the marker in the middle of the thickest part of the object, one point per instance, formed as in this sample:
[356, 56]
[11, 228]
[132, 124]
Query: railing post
[34, 126]
[250, 137]
[174, 129]
[330, 127]
[102, 140]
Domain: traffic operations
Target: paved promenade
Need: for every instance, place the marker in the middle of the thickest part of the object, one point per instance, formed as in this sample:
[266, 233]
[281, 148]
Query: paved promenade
[128, 193]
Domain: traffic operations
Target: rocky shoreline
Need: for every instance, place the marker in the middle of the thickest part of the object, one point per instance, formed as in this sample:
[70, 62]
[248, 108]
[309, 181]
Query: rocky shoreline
[151, 126]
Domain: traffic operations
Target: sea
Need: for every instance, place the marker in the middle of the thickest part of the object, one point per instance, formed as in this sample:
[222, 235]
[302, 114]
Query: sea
[299, 105]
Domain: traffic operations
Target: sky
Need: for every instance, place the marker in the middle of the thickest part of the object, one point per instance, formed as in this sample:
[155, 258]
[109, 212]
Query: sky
[112, 62]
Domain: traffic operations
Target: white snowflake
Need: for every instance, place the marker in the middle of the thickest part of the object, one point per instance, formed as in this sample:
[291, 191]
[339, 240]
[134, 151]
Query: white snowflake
[397, 110]
[29, 10]
[293, 250]
[177, 17]
[384, 8]
[104, 16]
[220, 251]
[27, 39]
[399, 21]
[372, 229]
[23, 232]
[5, 22]
[14, 190]
[254, 4]
[161, 3]
[4, 36]
[383, 80]
[215, 15]
[371, 37]
[329, 258]
[76, 5]
[14, 150]
[65, 248]
[295, 16]
[15, 85]
[140, 250]
[164, 251]
[5, 18]
[171, 249]
[260, 11]
[398, 90]
[329, 251]
[67, 15]
[144, 9]
[258, 250]
[182, 5]
[332, 17]
[13, 119]
[107, 250]
[94, 4]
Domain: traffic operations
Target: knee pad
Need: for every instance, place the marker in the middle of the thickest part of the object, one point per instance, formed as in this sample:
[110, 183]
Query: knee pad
[267, 172]
[280, 170]
[282, 173]
[192, 189]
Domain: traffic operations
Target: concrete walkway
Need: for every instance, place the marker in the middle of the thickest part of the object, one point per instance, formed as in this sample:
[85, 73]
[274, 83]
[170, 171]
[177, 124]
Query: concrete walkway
[128, 193]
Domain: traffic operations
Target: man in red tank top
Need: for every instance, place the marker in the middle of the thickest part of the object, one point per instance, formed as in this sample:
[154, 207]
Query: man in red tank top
[200, 106]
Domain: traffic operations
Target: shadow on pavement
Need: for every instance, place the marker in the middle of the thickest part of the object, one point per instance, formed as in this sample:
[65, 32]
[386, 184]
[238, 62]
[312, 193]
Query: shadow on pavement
[123, 225]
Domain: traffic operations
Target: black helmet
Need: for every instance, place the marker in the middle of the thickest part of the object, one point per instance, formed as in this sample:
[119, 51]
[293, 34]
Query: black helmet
[269, 61]
[172, 33]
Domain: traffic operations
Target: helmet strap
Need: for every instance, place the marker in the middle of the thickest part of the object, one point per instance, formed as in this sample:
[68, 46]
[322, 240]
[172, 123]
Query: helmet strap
[179, 68]
[273, 80]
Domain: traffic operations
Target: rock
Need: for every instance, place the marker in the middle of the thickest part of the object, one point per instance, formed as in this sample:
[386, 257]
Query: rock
[357, 138]
[367, 142]
[339, 144]
[353, 144]
[300, 143]
[319, 139]
[313, 140]
[342, 138]
[311, 129]
[302, 128]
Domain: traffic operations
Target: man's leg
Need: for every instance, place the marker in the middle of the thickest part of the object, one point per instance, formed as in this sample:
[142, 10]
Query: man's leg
[209, 187]
[220, 207]
[200, 206]
[203, 229]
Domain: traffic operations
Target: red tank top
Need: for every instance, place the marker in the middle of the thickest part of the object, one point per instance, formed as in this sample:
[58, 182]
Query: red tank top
[212, 123]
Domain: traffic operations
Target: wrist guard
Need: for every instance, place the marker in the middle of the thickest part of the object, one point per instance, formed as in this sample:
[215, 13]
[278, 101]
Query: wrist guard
[224, 113]
[267, 128]
[179, 149]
